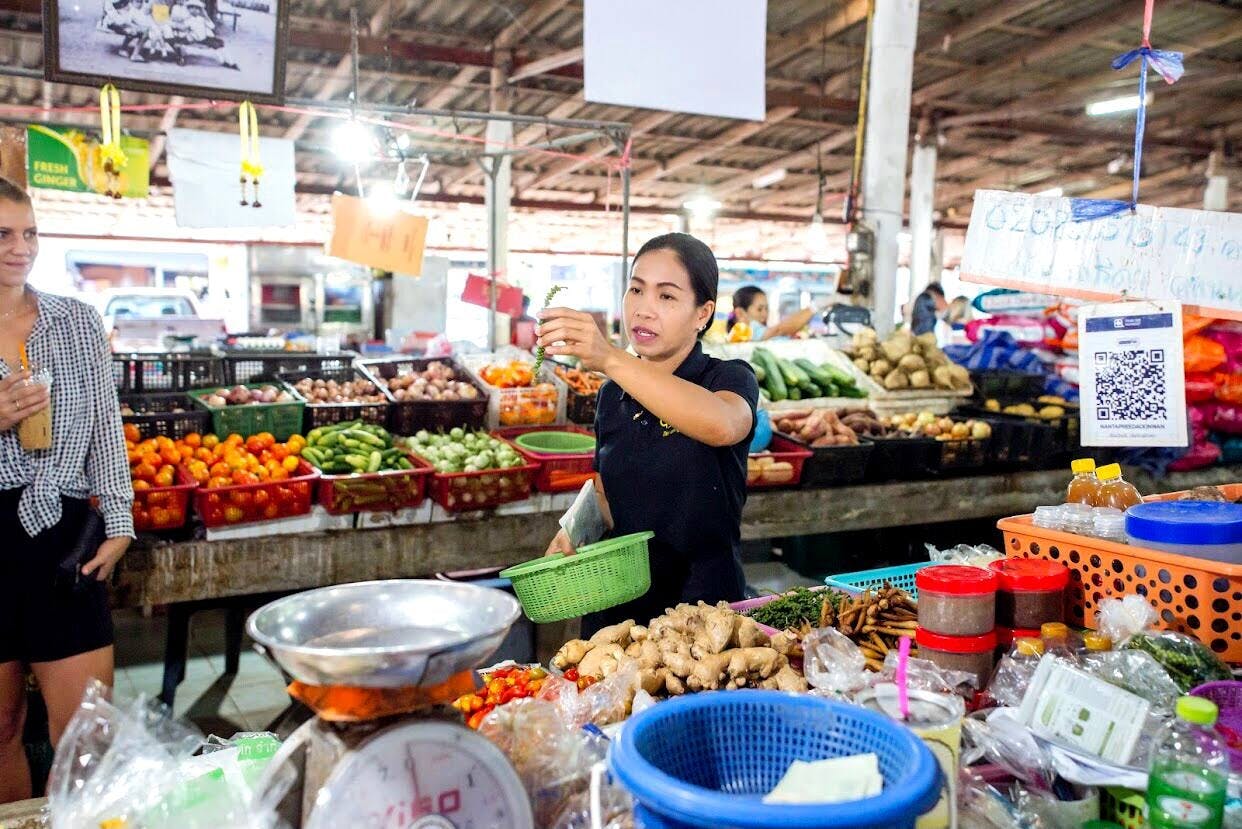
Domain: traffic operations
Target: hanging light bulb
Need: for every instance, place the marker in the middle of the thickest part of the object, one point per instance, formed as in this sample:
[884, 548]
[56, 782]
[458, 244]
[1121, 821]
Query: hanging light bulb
[817, 235]
[353, 142]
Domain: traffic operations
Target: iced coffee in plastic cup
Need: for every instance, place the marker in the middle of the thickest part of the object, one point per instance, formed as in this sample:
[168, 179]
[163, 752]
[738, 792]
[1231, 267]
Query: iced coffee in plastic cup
[35, 432]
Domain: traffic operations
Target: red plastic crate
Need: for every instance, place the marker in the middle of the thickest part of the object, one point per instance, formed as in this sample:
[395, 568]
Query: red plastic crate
[375, 491]
[465, 491]
[781, 449]
[241, 503]
[164, 507]
[558, 472]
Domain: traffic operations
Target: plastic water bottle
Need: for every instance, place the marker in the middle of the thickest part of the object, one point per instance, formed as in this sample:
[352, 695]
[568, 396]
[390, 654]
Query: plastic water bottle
[1189, 771]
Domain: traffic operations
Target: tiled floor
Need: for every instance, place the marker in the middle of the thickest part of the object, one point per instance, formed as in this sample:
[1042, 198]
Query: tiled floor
[255, 697]
[216, 703]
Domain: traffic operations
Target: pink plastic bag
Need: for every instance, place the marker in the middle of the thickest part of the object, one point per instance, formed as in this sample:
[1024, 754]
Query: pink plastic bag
[1200, 387]
[1200, 455]
[1203, 354]
[1231, 340]
[1224, 417]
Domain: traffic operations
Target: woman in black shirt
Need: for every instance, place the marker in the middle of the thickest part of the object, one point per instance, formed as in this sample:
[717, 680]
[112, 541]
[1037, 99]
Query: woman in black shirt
[673, 428]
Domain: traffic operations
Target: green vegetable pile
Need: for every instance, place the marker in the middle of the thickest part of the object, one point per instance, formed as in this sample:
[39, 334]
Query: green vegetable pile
[353, 447]
[800, 379]
[464, 451]
[1189, 662]
[793, 608]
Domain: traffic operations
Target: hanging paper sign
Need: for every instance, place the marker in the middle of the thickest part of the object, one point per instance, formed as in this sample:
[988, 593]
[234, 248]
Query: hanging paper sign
[1132, 382]
[1032, 243]
[388, 240]
[64, 158]
[478, 292]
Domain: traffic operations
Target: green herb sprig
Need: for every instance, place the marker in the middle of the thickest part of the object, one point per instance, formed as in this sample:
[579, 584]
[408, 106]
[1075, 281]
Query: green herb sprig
[540, 350]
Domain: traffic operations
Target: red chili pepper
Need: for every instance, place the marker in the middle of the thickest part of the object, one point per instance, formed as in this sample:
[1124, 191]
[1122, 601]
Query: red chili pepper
[572, 674]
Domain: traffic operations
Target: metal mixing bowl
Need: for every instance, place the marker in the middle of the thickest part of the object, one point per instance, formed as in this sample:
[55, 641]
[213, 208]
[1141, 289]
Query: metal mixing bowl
[384, 634]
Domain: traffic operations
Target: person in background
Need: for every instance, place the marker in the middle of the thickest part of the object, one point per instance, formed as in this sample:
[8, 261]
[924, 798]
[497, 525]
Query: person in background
[750, 306]
[928, 306]
[61, 630]
[958, 313]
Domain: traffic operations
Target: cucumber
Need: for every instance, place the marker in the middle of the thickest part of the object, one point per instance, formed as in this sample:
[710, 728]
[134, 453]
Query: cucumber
[773, 380]
[837, 375]
[760, 374]
[817, 375]
[795, 392]
[793, 375]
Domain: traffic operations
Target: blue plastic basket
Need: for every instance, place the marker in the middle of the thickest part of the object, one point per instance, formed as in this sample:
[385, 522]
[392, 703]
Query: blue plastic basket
[901, 577]
[706, 760]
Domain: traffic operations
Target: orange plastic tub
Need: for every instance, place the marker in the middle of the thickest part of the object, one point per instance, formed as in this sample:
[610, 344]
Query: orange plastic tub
[1196, 596]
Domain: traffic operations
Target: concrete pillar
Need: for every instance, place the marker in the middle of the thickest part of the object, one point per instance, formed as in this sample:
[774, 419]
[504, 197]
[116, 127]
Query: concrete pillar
[499, 135]
[884, 150]
[1216, 191]
[922, 205]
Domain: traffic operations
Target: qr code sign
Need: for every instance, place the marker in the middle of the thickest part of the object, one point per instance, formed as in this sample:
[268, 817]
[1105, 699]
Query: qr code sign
[1129, 385]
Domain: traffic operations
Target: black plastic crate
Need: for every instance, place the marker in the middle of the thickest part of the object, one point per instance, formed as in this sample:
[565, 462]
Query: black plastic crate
[318, 414]
[833, 465]
[902, 459]
[961, 455]
[579, 408]
[1007, 385]
[157, 414]
[166, 371]
[241, 367]
[406, 417]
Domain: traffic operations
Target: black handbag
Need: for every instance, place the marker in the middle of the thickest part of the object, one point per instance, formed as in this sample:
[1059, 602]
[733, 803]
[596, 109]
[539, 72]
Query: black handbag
[86, 543]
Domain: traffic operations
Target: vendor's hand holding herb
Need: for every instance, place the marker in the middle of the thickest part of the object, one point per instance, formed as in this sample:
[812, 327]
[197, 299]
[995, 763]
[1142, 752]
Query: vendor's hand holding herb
[564, 331]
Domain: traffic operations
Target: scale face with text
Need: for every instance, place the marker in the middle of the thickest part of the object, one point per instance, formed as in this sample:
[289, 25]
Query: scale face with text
[422, 769]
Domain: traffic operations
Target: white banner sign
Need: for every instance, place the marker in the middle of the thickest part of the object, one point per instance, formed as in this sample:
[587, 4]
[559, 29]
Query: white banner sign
[205, 168]
[1032, 243]
[1131, 377]
[700, 56]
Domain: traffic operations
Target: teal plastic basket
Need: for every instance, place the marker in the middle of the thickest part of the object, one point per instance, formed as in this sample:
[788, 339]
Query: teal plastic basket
[901, 576]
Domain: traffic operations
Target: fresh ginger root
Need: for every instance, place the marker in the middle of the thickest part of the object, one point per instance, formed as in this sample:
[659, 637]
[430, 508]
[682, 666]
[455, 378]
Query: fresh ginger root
[571, 653]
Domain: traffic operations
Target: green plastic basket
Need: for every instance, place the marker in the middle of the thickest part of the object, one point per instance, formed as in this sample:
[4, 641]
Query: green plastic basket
[600, 576]
[1123, 806]
[556, 443]
[281, 419]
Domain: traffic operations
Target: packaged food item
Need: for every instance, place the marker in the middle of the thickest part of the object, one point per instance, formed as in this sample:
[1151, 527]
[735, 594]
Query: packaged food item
[956, 599]
[1078, 519]
[973, 655]
[1189, 771]
[1054, 635]
[1031, 591]
[1065, 704]
[1084, 487]
[1203, 529]
[1109, 524]
[1048, 517]
[1115, 491]
[1189, 662]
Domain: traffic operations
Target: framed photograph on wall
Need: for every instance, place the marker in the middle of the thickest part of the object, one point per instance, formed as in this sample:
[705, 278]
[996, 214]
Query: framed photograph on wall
[231, 49]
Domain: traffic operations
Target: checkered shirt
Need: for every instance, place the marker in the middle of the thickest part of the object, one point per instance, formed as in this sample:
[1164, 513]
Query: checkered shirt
[87, 457]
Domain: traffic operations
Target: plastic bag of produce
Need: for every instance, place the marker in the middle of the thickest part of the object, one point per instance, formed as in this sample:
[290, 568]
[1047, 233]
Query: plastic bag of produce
[1200, 387]
[133, 765]
[1139, 673]
[1189, 662]
[602, 703]
[1203, 354]
[1009, 744]
[1229, 387]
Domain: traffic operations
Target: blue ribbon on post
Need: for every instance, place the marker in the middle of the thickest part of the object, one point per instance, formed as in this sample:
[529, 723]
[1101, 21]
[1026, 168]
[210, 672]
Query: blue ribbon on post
[1169, 65]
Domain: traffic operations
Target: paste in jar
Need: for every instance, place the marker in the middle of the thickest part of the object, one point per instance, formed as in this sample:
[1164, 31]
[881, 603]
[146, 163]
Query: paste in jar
[1032, 592]
[956, 599]
[972, 654]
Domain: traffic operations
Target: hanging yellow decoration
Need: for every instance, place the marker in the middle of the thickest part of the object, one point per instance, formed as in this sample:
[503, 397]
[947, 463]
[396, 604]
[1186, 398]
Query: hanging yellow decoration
[251, 168]
[113, 157]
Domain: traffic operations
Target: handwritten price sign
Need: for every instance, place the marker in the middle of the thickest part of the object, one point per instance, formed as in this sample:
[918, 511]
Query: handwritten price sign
[392, 241]
[1031, 243]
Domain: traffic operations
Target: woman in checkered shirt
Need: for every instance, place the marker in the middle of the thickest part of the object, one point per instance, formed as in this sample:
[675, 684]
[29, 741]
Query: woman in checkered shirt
[61, 631]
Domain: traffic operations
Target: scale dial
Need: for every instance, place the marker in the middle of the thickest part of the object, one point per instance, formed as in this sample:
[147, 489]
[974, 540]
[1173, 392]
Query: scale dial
[423, 775]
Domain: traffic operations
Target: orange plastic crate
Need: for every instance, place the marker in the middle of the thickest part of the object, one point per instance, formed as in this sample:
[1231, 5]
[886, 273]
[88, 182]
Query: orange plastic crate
[1195, 596]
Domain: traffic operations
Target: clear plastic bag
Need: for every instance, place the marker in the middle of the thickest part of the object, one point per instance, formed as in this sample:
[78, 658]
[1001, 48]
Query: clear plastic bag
[1009, 744]
[1119, 619]
[980, 555]
[832, 663]
[583, 522]
[1139, 673]
[981, 806]
[133, 765]
[1039, 808]
[1012, 677]
[606, 702]
[1188, 661]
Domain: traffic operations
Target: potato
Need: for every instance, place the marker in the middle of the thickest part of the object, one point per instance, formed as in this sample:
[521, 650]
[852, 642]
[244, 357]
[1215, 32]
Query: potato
[881, 367]
[862, 365]
[942, 378]
[920, 379]
[895, 379]
[911, 363]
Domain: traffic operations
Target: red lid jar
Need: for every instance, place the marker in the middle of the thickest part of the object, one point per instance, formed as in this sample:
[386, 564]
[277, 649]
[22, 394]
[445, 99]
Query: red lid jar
[956, 600]
[974, 655]
[1032, 591]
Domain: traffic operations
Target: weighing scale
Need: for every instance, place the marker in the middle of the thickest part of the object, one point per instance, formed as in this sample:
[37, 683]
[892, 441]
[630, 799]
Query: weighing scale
[405, 649]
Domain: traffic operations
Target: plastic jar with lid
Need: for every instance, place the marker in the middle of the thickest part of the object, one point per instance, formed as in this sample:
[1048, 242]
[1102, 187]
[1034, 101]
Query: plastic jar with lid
[1203, 529]
[1031, 592]
[1047, 517]
[1078, 519]
[957, 600]
[1109, 524]
[972, 654]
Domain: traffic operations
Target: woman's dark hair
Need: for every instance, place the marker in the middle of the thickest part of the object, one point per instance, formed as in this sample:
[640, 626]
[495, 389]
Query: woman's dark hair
[11, 192]
[698, 260]
[742, 298]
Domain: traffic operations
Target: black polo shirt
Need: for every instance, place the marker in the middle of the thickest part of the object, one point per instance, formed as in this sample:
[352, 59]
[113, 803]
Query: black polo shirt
[686, 492]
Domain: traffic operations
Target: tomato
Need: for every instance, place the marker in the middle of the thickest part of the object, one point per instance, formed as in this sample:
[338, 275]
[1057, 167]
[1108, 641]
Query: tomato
[213, 500]
[142, 520]
[254, 443]
[290, 464]
[300, 489]
[141, 485]
[164, 477]
[279, 452]
[234, 439]
[261, 498]
[193, 440]
[132, 433]
[159, 517]
[279, 474]
[240, 499]
[158, 499]
[233, 515]
[204, 455]
[210, 441]
[271, 511]
[170, 455]
[144, 471]
[218, 481]
[154, 459]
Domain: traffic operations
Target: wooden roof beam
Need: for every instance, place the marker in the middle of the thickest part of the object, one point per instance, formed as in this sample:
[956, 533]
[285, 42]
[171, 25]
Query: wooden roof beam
[815, 31]
[734, 135]
[558, 170]
[825, 146]
[539, 66]
[977, 23]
